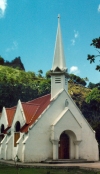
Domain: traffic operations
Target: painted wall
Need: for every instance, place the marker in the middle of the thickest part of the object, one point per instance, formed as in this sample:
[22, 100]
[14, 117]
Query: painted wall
[19, 147]
[3, 147]
[8, 148]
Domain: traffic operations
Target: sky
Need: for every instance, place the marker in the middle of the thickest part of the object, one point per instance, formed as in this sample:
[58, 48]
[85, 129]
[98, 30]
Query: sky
[28, 29]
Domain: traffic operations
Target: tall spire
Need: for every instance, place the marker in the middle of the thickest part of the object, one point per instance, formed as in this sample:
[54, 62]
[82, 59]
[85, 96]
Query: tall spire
[59, 59]
[59, 75]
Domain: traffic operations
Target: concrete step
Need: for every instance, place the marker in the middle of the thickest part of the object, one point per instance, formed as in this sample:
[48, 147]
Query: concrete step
[64, 161]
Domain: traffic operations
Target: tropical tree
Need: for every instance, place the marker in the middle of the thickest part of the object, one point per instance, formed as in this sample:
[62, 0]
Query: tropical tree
[1, 61]
[40, 72]
[48, 74]
[77, 79]
[91, 58]
[91, 85]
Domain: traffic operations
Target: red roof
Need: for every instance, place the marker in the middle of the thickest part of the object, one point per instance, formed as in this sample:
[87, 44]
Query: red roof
[29, 111]
[33, 109]
[10, 115]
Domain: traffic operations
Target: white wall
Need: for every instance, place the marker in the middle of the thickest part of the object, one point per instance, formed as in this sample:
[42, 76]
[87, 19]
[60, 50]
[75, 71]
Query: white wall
[2, 148]
[38, 147]
[89, 146]
[20, 146]
[8, 148]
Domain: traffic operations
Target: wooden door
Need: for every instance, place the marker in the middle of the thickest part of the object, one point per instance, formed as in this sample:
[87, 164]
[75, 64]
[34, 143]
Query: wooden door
[64, 146]
[16, 137]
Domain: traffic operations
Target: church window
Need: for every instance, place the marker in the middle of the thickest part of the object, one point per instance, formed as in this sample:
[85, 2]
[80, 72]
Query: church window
[17, 133]
[2, 128]
[17, 126]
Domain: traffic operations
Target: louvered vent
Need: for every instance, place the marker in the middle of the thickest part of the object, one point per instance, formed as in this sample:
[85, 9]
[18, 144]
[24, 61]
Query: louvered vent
[57, 80]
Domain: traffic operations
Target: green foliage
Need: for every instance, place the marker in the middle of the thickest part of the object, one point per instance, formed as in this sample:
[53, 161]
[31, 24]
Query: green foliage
[40, 72]
[77, 79]
[48, 74]
[96, 42]
[93, 85]
[44, 87]
[93, 96]
[16, 84]
[91, 58]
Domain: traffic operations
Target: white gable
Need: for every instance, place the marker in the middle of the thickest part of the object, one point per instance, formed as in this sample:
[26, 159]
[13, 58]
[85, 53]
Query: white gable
[3, 118]
[19, 116]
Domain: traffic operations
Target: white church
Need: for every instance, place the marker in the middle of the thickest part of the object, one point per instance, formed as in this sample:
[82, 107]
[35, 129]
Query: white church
[49, 127]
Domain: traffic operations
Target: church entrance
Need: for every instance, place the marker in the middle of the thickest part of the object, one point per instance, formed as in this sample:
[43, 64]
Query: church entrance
[64, 146]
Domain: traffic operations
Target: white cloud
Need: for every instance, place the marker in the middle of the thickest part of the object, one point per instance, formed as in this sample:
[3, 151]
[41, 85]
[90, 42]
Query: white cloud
[13, 47]
[76, 34]
[99, 8]
[73, 41]
[3, 5]
[74, 70]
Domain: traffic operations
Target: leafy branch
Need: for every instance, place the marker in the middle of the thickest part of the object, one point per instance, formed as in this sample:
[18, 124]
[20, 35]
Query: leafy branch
[91, 58]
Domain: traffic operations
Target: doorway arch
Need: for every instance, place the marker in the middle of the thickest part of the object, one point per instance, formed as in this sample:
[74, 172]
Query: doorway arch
[64, 146]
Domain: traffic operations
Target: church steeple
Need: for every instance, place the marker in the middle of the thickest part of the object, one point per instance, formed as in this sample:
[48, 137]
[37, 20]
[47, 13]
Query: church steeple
[59, 80]
[59, 59]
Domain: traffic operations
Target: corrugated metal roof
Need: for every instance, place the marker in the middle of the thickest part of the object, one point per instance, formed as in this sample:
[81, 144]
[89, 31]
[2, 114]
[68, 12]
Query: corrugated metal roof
[32, 110]
[42, 104]
[29, 111]
[10, 115]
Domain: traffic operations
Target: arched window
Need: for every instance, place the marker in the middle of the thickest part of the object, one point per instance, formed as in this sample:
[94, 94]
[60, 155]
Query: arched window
[17, 126]
[2, 128]
[17, 133]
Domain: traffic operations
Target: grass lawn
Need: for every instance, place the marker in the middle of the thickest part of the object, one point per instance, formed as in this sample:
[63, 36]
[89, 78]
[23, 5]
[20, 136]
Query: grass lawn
[4, 169]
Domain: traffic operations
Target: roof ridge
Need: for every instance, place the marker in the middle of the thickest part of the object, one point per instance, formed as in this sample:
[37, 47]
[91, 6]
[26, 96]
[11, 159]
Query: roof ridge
[43, 103]
[31, 104]
[39, 97]
[10, 108]
[33, 115]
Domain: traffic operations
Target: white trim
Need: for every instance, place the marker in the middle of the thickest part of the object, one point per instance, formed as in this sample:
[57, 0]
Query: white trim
[79, 111]
[62, 114]
[21, 109]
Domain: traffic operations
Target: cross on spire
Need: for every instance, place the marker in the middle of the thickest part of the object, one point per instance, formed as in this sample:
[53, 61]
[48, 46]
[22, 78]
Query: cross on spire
[58, 17]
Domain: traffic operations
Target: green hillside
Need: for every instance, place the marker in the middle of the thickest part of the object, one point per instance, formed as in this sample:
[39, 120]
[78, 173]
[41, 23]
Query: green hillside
[17, 84]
